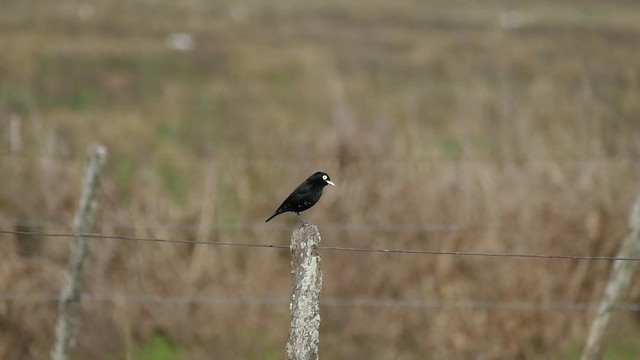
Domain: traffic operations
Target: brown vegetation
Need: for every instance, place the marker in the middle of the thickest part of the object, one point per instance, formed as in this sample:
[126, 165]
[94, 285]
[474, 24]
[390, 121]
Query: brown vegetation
[525, 138]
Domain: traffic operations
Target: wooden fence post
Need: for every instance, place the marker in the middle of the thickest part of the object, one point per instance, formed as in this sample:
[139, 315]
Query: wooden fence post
[306, 278]
[617, 286]
[82, 224]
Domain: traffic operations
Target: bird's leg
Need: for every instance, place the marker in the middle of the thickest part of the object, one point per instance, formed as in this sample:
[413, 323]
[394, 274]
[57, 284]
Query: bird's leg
[304, 223]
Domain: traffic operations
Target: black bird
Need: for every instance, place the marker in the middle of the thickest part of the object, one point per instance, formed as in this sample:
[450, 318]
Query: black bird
[305, 195]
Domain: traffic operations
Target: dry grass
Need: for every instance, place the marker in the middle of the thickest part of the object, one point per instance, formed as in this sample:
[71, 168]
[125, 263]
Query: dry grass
[526, 139]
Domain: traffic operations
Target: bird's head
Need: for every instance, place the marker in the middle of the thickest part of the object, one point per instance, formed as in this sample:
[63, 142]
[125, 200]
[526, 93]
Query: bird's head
[321, 178]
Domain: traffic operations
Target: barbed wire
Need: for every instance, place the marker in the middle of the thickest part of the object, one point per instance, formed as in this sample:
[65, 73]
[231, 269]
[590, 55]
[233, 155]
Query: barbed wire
[326, 248]
[329, 302]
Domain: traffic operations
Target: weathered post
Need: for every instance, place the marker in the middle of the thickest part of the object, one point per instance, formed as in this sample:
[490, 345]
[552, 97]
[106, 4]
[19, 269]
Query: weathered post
[306, 278]
[82, 224]
[617, 286]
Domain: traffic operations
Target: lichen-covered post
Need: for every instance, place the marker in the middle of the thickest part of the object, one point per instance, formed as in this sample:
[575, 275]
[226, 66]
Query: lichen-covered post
[82, 224]
[306, 278]
[618, 284]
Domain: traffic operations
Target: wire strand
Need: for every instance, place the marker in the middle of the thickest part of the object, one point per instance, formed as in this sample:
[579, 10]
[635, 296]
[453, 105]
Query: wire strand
[481, 254]
[330, 302]
[333, 227]
[330, 248]
[131, 238]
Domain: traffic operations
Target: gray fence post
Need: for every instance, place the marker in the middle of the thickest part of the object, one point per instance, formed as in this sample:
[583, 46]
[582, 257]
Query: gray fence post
[617, 286]
[82, 224]
[306, 277]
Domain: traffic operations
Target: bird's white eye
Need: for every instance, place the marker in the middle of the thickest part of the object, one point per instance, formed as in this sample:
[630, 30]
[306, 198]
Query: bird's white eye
[324, 177]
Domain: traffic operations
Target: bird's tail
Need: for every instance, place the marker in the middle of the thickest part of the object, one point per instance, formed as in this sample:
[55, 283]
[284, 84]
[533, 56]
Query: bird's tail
[274, 215]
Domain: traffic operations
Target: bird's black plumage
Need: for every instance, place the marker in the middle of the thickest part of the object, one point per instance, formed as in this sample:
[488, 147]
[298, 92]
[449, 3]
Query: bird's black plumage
[305, 195]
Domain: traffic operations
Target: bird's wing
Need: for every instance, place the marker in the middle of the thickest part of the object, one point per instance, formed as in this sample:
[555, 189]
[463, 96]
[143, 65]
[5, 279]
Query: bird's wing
[299, 196]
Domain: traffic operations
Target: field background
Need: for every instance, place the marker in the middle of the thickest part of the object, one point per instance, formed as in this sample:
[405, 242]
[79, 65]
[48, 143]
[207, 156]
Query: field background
[494, 126]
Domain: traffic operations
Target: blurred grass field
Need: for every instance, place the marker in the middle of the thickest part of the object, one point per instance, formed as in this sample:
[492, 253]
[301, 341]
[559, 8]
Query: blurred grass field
[515, 123]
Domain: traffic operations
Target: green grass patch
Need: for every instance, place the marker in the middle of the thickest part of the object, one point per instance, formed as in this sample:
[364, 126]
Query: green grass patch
[160, 347]
[124, 169]
[624, 348]
[84, 82]
[175, 180]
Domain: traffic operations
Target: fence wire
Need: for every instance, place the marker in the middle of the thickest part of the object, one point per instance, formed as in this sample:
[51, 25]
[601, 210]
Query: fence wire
[44, 298]
[334, 227]
[326, 248]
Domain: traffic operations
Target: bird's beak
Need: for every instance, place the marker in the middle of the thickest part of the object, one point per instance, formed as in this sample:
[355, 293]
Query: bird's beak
[330, 183]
